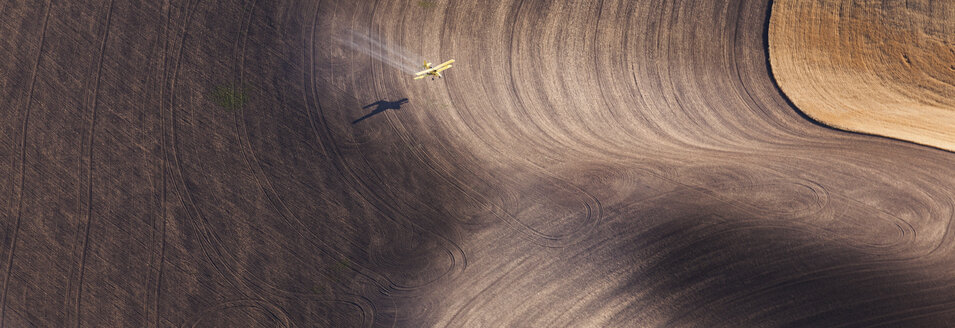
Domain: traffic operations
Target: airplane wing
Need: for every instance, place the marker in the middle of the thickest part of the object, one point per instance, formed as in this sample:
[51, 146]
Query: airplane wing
[420, 77]
[446, 63]
[442, 68]
[424, 71]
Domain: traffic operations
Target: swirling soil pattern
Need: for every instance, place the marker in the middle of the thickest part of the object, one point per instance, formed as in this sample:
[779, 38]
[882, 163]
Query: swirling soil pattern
[605, 163]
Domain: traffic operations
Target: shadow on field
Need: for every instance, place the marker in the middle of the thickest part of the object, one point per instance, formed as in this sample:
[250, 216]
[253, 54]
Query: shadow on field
[740, 273]
[382, 106]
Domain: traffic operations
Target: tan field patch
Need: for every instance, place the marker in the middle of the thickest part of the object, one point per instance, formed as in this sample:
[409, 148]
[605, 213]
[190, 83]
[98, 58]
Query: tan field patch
[876, 67]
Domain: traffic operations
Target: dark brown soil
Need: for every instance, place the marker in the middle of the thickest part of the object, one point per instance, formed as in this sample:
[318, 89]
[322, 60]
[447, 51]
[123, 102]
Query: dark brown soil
[606, 163]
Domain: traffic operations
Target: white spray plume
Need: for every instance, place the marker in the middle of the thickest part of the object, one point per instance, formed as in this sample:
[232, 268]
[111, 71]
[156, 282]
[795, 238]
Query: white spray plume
[374, 47]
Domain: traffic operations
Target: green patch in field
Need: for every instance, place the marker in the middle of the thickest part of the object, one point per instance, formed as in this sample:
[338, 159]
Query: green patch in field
[343, 264]
[230, 97]
[427, 4]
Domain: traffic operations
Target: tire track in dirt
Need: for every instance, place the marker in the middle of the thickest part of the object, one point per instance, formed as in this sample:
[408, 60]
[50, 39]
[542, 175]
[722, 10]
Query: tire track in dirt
[310, 98]
[454, 251]
[605, 163]
[273, 311]
[265, 185]
[254, 166]
[429, 159]
[844, 271]
[86, 224]
[947, 235]
[207, 240]
[157, 261]
[210, 240]
[736, 190]
[386, 286]
[23, 143]
[736, 299]
[591, 211]
[184, 197]
[211, 246]
[390, 212]
[456, 255]
[908, 232]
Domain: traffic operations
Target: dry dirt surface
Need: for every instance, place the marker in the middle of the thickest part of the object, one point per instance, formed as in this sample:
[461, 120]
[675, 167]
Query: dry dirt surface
[606, 163]
[881, 67]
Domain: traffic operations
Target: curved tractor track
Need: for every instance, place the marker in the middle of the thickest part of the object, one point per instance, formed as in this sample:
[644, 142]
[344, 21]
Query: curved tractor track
[584, 164]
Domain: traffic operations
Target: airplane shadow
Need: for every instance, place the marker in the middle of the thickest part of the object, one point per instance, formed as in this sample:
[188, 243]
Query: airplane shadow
[382, 106]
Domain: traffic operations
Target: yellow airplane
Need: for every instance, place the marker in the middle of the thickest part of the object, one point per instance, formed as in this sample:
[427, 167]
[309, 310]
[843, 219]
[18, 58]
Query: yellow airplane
[433, 71]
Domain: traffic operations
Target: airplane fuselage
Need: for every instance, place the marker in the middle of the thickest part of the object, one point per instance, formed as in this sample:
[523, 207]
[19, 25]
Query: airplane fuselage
[433, 71]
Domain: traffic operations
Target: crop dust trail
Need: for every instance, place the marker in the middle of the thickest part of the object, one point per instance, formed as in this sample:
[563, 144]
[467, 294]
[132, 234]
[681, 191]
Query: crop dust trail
[373, 46]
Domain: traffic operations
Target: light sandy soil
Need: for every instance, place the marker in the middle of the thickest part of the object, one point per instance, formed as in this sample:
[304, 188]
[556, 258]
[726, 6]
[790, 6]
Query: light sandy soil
[614, 163]
[878, 67]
